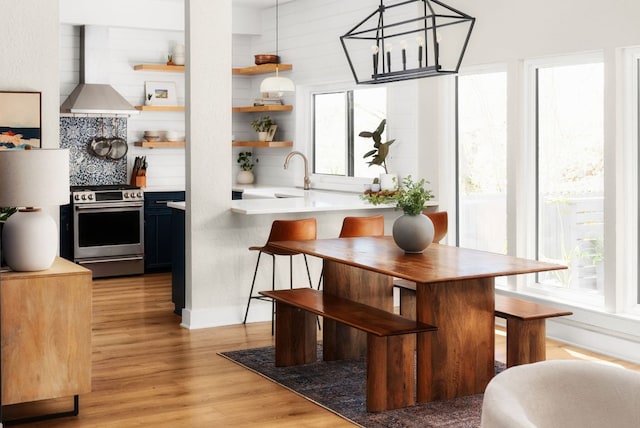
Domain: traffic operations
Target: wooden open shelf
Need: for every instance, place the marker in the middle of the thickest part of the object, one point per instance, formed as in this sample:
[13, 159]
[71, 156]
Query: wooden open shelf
[261, 69]
[159, 144]
[160, 108]
[252, 109]
[160, 67]
[262, 143]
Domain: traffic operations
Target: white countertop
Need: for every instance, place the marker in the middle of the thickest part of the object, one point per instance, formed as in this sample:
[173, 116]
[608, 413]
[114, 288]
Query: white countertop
[290, 200]
[276, 200]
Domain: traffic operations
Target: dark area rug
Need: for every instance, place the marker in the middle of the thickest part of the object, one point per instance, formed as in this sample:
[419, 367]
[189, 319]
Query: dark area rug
[339, 386]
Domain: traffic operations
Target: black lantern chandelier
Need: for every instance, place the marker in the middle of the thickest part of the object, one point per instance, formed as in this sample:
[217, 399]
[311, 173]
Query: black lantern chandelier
[392, 44]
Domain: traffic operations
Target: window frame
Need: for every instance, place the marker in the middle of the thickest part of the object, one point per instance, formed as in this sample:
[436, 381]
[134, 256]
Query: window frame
[305, 132]
[531, 151]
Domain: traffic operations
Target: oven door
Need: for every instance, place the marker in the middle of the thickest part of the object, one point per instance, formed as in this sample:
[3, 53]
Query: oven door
[108, 230]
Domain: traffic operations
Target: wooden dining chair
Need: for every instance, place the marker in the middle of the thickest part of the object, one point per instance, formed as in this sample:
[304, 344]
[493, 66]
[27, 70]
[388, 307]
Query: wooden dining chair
[282, 230]
[354, 227]
[440, 220]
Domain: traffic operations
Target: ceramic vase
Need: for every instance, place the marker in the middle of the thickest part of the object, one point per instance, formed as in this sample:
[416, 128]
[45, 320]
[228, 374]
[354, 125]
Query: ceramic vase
[245, 177]
[263, 136]
[388, 182]
[413, 233]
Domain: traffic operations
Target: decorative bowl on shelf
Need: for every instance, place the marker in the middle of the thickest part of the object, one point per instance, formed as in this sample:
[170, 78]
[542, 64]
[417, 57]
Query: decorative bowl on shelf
[151, 138]
[267, 59]
[174, 136]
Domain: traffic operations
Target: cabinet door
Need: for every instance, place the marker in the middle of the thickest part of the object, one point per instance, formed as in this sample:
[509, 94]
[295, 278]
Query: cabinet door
[157, 230]
[178, 267]
[66, 232]
[46, 333]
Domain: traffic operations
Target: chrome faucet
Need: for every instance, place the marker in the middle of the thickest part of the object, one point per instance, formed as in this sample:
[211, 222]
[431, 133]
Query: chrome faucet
[307, 180]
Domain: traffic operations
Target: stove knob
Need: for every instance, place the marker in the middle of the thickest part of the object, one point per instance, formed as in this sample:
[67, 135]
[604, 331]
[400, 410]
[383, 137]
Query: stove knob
[139, 195]
[126, 195]
[84, 197]
[91, 197]
[76, 197]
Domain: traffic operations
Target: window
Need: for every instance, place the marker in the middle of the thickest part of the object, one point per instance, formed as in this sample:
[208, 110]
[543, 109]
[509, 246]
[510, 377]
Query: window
[338, 119]
[482, 161]
[570, 177]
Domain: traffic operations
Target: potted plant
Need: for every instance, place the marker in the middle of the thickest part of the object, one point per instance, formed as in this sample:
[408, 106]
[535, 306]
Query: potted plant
[245, 175]
[413, 231]
[262, 125]
[379, 155]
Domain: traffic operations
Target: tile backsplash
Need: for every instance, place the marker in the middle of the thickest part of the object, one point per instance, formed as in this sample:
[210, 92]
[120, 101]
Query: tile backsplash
[76, 134]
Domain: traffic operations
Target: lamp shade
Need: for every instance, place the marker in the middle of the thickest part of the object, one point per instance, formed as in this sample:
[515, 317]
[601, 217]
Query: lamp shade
[34, 178]
[277, 85]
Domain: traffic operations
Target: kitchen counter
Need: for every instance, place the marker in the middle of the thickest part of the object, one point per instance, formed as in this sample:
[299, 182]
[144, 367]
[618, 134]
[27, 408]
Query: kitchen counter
[277, 200]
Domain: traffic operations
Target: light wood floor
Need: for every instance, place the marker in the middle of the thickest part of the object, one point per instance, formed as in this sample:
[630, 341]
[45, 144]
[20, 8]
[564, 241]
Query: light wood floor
[149, 372]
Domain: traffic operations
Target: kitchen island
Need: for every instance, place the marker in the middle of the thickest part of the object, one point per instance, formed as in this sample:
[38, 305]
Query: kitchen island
[248, 222]
[277, 200]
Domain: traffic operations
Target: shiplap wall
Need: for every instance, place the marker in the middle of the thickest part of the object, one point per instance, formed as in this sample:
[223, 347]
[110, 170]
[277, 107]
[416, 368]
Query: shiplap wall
[309, 38]
[128, 47]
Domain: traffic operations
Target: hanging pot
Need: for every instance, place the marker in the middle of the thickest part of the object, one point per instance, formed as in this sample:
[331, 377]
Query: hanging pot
[118, 146]
[100, 146]
[118, 150]
[413, 233]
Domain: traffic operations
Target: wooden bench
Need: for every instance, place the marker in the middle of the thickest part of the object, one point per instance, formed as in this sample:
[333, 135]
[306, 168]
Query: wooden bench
[390, 350]
[526, 323]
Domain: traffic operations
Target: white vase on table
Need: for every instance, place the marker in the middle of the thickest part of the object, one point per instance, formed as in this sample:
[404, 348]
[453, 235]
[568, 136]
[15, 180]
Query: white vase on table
[413, 233]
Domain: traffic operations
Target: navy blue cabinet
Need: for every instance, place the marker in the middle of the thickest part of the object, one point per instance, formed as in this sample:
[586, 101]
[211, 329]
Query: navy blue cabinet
[66, 232]
[178, 272]
[157, 230]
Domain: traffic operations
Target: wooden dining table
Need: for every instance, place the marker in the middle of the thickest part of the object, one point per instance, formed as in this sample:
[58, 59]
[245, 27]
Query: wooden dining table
[454, 292]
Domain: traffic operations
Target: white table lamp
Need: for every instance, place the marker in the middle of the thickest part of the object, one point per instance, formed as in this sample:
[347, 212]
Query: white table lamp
[30, 179]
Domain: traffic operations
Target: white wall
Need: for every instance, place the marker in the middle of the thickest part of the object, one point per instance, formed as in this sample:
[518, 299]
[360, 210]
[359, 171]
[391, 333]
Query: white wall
[29, 50]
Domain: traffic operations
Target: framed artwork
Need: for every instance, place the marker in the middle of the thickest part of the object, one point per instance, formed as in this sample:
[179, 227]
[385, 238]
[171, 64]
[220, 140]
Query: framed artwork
[20, 119]
[271, 132]
[160, 93]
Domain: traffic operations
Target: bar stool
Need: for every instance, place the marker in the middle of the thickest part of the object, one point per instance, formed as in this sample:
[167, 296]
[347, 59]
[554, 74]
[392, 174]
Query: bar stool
[353, 227]
[282, 230]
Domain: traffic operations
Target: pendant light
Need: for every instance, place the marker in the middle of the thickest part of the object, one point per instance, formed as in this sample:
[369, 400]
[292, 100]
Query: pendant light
[276, 84]
[393, 43]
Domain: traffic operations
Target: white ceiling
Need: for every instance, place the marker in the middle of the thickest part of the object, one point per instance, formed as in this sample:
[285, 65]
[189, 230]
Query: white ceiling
[259, 4]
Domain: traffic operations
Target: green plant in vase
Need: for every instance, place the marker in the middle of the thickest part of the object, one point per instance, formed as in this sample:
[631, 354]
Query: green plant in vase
[413, 231]
[262, 125]
[245, 159]
[246, 162]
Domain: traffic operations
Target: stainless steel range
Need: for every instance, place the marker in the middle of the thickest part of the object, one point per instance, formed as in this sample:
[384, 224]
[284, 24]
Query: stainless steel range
[108, 229]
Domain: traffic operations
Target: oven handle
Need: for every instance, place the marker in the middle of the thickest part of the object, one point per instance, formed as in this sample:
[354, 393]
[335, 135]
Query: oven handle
[109, 205]
[119, 259]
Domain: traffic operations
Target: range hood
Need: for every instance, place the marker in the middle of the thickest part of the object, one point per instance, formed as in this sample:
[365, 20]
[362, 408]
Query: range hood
[94, 95]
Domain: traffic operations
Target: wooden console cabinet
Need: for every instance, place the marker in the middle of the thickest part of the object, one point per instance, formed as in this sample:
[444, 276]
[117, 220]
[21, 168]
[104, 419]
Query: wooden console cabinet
[46, 333]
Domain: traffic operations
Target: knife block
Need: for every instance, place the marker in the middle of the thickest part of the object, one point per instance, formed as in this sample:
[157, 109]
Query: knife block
[141, 181]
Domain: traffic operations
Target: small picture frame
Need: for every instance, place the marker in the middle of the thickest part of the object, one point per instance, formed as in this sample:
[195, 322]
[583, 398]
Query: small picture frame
[271, 132]
[160, 93]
